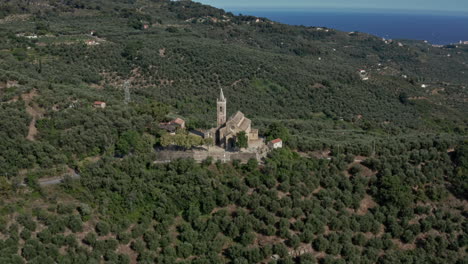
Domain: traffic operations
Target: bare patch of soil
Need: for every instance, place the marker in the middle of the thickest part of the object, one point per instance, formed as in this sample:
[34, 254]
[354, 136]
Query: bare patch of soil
[32, 130]
[96, 86]
[283, 194]
[323, 154]
[11, 18]
[437, 90]
[366, 204]
[366, 172]
[318, 189]
[93, 159]
[10, 84]
[302, 154]
[125, 249]
[263, 240]
[403, 246]
[236, 82]
[418, 98]
[305, 249]
[230, 209]
[318, 86]
[13, 100]
[27, 97]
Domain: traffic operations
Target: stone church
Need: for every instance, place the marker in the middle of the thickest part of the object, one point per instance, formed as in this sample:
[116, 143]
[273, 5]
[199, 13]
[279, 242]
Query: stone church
[225, 133]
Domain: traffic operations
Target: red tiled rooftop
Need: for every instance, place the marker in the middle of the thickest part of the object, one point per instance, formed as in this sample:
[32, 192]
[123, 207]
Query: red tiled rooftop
[178, 121]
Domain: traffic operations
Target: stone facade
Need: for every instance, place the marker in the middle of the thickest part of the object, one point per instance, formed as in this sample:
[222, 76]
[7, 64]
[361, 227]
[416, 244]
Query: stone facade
[225, 134]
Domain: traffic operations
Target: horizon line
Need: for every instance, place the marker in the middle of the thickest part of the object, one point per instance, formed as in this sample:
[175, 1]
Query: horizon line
[353, 10]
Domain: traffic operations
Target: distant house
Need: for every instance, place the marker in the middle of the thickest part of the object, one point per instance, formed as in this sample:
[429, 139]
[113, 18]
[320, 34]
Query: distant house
[363, 74]
[92, 42]
[33, 36]
[145, 26]
[170, 128]
[99, 104]
[276, 143]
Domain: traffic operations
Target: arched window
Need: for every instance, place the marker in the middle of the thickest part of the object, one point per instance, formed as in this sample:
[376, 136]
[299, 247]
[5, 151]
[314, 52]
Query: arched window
[221, 109]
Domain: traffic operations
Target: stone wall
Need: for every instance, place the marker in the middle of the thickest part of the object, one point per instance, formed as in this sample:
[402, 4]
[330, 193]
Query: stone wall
[166, 156]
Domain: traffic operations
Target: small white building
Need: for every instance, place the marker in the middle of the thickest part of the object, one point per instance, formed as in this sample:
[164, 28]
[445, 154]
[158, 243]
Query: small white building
[91, 42]
[364, 75]
[276, 143]
[34, 36]
[99, 104]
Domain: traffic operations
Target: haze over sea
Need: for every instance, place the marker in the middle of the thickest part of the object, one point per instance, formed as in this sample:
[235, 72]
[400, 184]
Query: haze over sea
[441, 28]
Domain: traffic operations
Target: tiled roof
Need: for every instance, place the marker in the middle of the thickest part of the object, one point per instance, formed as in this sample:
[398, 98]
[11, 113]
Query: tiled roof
[178, 121]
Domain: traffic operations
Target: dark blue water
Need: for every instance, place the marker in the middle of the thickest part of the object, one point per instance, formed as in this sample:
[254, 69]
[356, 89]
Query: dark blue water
[437, 29]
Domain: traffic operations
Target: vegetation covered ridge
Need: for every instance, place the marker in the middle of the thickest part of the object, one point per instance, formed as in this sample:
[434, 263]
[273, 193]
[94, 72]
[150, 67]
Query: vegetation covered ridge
[374, 168]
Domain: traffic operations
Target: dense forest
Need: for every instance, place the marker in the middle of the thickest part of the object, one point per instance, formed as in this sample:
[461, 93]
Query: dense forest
[373, 171]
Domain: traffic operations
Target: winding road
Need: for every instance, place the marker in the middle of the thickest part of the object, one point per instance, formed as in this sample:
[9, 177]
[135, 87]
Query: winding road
[48, 182]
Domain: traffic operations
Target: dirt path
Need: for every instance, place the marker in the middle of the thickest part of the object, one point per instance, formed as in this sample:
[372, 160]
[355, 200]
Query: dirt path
[34, 111]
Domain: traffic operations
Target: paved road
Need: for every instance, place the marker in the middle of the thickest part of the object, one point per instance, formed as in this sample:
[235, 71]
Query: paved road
[57, 181]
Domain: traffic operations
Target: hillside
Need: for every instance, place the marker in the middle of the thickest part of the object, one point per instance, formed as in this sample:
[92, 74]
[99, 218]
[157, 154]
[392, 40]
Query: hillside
[374, 170]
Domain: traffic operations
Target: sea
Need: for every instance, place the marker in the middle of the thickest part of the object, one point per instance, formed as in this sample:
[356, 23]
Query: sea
[436, 28]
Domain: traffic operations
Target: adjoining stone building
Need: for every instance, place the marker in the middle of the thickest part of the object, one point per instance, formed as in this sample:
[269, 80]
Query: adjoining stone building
[226, 132]
[173, 125]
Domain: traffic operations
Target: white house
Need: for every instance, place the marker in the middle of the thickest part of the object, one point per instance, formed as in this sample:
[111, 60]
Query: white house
[276, 143]
[99, 104]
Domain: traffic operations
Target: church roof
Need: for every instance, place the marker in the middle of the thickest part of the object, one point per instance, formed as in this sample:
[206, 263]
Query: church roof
[237, 118]
[240, 121]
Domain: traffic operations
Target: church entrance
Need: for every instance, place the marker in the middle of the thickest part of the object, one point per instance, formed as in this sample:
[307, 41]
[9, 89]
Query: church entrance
[231, 144]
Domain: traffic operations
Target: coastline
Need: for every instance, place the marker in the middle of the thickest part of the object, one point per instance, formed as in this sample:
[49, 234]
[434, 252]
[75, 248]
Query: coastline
[441, 29]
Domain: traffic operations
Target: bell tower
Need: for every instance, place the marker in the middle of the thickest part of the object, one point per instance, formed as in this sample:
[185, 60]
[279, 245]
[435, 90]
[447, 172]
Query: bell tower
[221, 109]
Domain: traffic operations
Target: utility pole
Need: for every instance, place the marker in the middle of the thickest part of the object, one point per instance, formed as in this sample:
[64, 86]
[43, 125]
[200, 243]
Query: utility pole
[127, 92]
[373, 148]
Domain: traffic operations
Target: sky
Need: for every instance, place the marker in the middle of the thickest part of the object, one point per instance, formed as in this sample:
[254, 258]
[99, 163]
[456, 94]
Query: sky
[456, 6]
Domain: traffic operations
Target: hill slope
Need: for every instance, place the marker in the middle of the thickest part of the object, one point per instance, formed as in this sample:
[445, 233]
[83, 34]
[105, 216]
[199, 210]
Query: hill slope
[381, 176]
